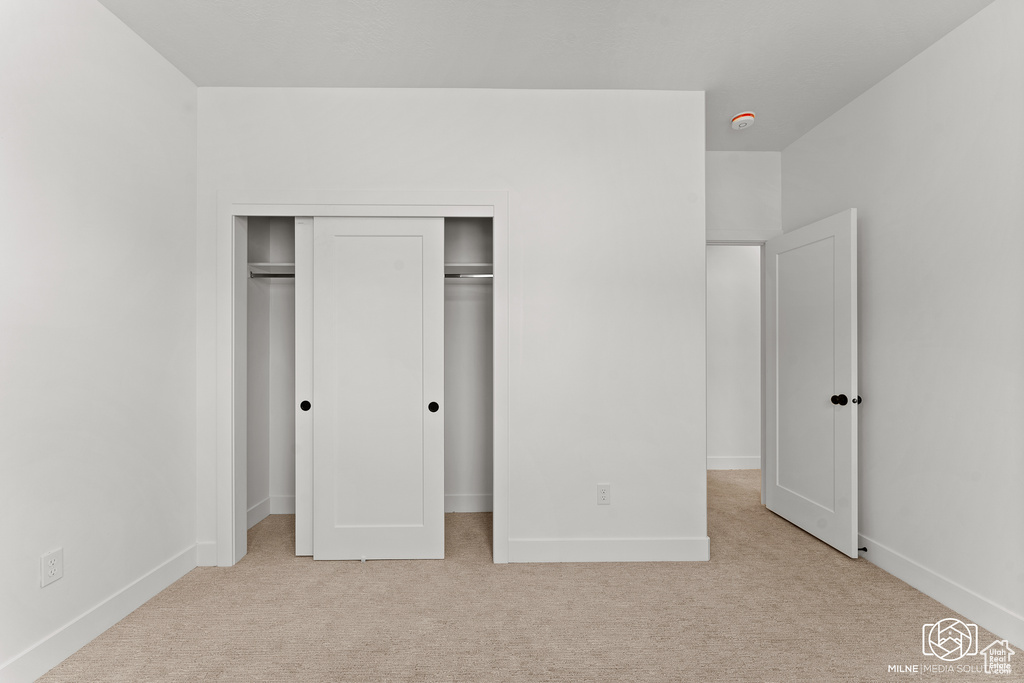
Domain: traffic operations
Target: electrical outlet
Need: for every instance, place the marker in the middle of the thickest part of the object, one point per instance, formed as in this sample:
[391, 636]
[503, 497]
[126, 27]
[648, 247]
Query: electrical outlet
[52, 566]
[604, 494]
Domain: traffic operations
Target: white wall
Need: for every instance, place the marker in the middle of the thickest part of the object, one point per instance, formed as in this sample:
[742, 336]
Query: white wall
[734, 357]
[257, 440]
[258, 394]
[282, 394]
[744, 193]
[744, 203]
[936, 174]
[606, 217]
[97, 325]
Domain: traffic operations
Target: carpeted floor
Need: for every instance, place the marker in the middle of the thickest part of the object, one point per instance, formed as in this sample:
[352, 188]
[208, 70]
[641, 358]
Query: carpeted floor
[773, 604]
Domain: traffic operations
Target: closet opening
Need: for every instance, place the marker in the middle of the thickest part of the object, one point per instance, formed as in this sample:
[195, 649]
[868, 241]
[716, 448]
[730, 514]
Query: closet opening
[270, 486]
[270, 365]
[273, 213]
[469, 379]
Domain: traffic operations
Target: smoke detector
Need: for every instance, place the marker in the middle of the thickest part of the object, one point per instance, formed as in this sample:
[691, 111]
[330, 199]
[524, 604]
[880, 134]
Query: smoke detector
[743, 120]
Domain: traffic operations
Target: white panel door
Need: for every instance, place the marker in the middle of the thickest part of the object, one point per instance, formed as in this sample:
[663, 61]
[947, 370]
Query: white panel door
[378, 382]
[811, 379]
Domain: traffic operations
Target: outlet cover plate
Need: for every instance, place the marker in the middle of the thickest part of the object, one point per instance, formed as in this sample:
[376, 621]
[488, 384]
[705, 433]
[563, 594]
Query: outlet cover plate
[52, 566]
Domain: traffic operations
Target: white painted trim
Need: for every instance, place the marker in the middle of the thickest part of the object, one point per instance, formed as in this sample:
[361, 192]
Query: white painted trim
[257, 513]
[206, 554]
[456, 203]
[734, 462]
[750, 237]
[977, 609]
[764, 380]
[341, 208]
[501, 318]
[468, 502]
[469, 203]
[282, 505]
[76, 634]
[609, 549]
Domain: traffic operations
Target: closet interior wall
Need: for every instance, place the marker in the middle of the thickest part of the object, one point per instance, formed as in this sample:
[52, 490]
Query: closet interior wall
[271, 370]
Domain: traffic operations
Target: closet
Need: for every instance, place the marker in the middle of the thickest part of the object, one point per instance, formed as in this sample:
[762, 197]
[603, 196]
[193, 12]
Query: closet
[468, 366]
[270, 381]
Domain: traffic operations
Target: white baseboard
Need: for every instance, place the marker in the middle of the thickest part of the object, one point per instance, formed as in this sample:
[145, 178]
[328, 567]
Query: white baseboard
[734, 462]
[608, 549]
[65, 641]
[257, 513]
[206, 554]
[976, 608]
[282, 505]
[468, 502]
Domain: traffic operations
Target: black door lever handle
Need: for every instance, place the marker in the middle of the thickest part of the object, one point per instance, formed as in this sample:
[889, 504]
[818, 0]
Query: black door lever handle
[840, 400]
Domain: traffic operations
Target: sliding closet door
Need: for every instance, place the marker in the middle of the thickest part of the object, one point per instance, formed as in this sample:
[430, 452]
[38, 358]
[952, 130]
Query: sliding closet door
[378, 385]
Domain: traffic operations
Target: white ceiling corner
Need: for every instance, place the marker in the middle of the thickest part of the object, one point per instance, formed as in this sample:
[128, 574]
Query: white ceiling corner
[794, 62]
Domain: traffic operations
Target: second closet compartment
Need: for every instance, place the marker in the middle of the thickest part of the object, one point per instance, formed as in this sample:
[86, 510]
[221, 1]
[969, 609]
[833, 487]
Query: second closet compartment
[468, 365]
[270, 379]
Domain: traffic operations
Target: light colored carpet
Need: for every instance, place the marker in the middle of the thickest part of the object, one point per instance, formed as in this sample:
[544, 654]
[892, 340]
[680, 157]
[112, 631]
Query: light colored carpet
[773, 604]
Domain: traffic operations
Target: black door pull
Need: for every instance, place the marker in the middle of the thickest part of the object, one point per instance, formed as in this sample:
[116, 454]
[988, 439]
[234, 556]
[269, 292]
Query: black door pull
[433, 406]
[305, 405]
[840, 400]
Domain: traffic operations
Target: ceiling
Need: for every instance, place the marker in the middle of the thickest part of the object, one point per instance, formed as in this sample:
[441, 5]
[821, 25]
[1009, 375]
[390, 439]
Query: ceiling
[793, 62]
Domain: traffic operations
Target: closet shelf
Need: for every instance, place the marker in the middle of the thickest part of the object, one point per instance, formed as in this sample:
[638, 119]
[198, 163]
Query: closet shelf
[468, 270]
[275, 270]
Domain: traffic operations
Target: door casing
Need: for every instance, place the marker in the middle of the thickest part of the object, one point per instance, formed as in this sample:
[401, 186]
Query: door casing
[751, 238]
[232, 269]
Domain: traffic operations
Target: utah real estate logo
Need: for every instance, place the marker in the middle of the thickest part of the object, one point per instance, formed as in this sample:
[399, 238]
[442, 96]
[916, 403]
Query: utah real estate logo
[951, 640]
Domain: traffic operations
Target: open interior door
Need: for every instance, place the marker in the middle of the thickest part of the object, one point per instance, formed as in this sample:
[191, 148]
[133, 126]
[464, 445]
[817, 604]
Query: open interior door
[377, 388]
[811, 400]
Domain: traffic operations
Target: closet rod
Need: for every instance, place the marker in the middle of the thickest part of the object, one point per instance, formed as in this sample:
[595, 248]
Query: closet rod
[447, 275]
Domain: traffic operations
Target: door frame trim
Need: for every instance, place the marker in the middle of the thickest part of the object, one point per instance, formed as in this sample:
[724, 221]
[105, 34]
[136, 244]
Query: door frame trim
[753, 238]
[232, 210]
